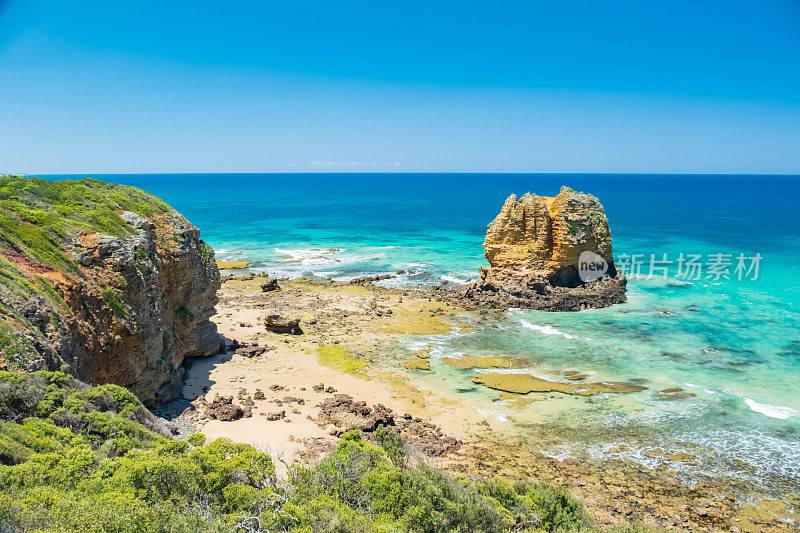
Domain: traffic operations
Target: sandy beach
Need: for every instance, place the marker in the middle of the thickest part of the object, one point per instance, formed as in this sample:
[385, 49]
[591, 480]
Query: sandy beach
[343, 329]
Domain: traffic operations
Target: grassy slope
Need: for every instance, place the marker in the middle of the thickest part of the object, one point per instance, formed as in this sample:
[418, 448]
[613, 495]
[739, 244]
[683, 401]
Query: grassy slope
[79, 458]
[38, 216]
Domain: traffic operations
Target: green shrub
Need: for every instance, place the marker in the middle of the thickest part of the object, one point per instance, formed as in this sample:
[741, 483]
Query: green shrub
[113, 301]
[185, 313]
[392, 444]
[16, 348]
[196, 439]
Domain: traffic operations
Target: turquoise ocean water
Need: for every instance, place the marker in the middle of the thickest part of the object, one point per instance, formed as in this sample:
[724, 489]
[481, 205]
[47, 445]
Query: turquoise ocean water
[734, 343]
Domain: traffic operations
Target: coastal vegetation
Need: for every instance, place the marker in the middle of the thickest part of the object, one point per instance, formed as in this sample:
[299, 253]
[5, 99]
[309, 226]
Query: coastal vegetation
[37, 216]
[81, 458]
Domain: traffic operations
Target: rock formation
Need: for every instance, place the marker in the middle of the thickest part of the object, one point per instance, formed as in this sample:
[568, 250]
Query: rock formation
[534, 246]
[281, 324]
[104, 281]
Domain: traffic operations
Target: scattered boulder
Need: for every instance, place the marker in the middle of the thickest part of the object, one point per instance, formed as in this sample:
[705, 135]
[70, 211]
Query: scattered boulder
[293, 399]
[253, 350]
[234, 345]
[279, 324]
[223, 408]
[345, 413]
[279, 415]
[270, 285]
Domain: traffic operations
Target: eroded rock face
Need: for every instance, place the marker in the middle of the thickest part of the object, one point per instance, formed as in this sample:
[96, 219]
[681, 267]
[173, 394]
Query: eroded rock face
[144, 305]
[137, 306]
[533, 247]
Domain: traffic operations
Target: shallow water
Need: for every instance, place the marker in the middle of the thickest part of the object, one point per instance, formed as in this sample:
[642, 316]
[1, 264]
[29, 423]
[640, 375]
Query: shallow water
[734, 343]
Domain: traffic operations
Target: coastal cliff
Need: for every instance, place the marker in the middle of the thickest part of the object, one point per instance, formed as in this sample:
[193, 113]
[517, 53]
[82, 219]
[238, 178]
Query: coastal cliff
[534, 247]
[105, 282]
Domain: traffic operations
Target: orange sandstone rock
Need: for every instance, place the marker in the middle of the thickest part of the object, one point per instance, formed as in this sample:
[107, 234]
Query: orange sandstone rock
[534, 247]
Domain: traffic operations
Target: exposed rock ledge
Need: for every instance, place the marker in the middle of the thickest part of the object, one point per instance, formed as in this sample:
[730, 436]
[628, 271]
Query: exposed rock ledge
[105, 281]
[534, 246]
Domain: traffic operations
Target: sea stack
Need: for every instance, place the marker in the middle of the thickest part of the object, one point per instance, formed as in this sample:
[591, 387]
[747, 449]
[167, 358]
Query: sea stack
[548, 253]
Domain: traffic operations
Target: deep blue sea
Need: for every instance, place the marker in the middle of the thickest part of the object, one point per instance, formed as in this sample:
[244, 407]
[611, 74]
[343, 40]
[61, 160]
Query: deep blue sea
[734, 343]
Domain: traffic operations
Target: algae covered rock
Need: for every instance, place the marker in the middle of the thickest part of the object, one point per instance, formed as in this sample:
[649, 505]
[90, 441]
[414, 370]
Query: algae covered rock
[486, 361]
[549, 253]
[525, 383]
[124, 281]
[416, 363]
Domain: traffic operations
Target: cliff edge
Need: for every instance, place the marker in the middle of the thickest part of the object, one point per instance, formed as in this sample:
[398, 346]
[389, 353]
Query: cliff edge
[104, 281]
[548, 253]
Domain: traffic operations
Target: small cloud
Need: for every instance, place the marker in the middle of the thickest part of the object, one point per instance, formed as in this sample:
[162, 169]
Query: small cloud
[352, 164]
[336, 163]
[290, 165]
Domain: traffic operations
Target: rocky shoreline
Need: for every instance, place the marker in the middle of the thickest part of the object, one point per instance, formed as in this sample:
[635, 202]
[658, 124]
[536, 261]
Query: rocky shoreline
[345, 371]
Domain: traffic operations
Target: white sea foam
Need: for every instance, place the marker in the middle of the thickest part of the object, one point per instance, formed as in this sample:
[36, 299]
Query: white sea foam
[772, 411]
[411, 281]
[453, 279]
[301, 254]
[546, 330]
[278, 273]
[496, 414]
[437, 343]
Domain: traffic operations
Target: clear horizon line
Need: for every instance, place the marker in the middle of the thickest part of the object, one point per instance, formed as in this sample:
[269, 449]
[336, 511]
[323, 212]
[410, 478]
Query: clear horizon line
[601, 173]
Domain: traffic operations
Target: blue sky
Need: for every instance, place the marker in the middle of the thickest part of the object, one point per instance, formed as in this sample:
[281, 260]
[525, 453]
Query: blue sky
[535, 86]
